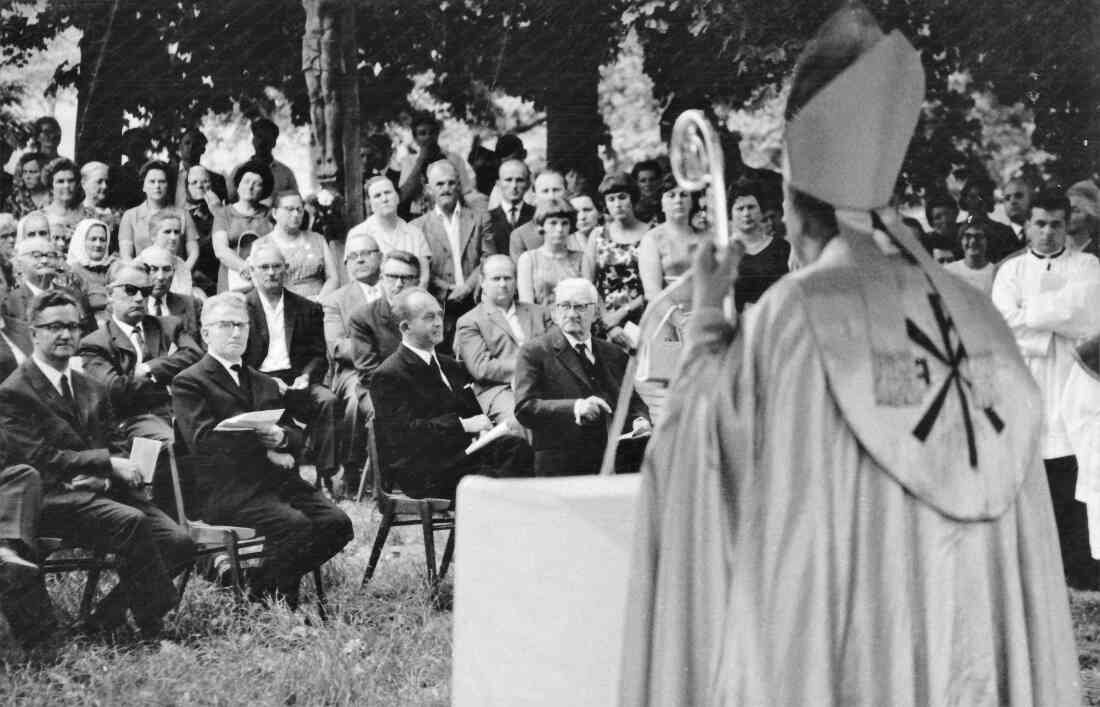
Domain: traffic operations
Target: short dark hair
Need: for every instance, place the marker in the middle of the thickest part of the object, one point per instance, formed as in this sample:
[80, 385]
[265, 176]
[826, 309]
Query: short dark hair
[46, 121]
[557, 207]
[152, 165]
[646, 166]
[51, 298]
[195, 133]
[508, 145]
[423, 117]
[1051, 200]
[30, 157]
[745, 187]
[974, 224]
[984, 185]
[621, 183]
[265, 124]
[404, 257]
[59, 164]
[258, 168]
[937, 200]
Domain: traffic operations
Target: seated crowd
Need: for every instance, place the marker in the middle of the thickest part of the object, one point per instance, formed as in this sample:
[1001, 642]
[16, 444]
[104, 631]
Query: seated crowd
[157, 300]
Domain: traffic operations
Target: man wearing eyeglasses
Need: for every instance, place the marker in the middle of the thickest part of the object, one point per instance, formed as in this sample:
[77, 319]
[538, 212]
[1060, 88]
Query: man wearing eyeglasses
[250, 477]
[162, 302]
[39, 264]
[362, 258]
[60, 422]
[136, 355]
[567, 383]
[372, 328]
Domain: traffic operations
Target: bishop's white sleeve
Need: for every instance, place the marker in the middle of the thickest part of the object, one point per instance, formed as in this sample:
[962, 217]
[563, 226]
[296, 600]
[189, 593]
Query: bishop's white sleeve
[1071, 311]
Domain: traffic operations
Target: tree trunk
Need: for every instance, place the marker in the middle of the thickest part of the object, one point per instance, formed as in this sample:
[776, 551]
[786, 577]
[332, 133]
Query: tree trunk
[574, 126]
[329, 66]
[103, 68]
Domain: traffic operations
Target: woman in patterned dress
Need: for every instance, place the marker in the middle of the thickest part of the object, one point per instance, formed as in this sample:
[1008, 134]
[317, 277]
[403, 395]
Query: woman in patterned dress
[312, 270]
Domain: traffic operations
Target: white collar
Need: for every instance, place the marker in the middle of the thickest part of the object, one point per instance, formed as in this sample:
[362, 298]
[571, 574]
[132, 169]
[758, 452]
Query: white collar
[268, 307]
[454, 214]
[426, 355]
[226, 363]
[573, 341]
[53, 375]
[127, 329]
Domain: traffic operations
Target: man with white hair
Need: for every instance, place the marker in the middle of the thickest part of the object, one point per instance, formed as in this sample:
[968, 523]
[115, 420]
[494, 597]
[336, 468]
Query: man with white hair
[250, 478]
[39, 263]
[287, 342]
[567, 384]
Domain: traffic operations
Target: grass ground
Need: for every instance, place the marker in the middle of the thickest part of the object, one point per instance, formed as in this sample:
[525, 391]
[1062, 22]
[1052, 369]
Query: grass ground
[386, 646]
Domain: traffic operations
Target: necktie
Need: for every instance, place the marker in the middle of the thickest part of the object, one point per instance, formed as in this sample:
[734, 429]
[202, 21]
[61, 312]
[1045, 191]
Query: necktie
[439, 372]
[138, 340]
[66, 390]
[513, 214]
[160, 306]
[589, 367]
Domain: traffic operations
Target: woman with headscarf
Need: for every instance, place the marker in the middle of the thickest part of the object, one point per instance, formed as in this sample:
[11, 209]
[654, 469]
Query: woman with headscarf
[1083, 229]
[845, 502]
[88, 259]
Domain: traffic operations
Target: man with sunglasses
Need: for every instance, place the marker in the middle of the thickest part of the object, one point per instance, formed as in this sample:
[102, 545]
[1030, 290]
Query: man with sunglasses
[362, 258]
[39, 265]
[567, 384]
[136, 355]
[60, 422]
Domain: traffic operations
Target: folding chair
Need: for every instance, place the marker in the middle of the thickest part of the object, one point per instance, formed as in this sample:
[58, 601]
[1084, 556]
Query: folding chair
[431, 514]
[80, 560]
[212, 540]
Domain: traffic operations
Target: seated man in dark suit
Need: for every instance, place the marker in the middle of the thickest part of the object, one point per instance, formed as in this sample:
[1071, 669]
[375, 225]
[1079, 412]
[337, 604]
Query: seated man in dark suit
[250, 478]
[162, 302]
[489, 336]
[23, 600]
[567, 383]
[60, 422]
[287, 342]
[372, 327]
[426, 414]
[136, 356]
[15, 335]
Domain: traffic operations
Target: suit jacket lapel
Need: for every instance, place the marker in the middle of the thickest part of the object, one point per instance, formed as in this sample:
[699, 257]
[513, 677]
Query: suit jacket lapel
[19, 335]
[568, 358]
[217, 374]
[465, 229]
[497, 318]
[154, 335]
[290, 318]
[125, 347]
[259, 329]
[49, 395]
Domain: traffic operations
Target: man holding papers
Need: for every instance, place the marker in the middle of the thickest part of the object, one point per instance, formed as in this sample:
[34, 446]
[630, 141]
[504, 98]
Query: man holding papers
[248, 475]
[426, 413]
[567, 383]
[60, 422]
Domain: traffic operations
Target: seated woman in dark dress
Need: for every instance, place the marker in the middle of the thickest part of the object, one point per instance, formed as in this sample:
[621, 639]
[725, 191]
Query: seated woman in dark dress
[766, 257]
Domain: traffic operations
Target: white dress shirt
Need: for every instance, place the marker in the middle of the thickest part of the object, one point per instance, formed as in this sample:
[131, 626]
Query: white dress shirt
[35, 289]
[1049, 303]
[278, 357]
[427, 356]
[54, 376]
[512, 318]
[370, 292]
[228, 366]
[454, 237]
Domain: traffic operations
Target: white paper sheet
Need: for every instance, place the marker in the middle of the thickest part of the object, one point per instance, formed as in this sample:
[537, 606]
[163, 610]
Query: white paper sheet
[488, 438]
[250, 420]
[540, 590]
[144, 453]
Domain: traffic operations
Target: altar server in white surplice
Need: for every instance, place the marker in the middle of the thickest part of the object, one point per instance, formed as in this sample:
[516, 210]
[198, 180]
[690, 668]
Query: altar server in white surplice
[1081, 415]
[1050, 297]
[845, 503]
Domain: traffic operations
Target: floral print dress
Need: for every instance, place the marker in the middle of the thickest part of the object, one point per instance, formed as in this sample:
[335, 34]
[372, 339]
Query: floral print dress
[617, 278]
